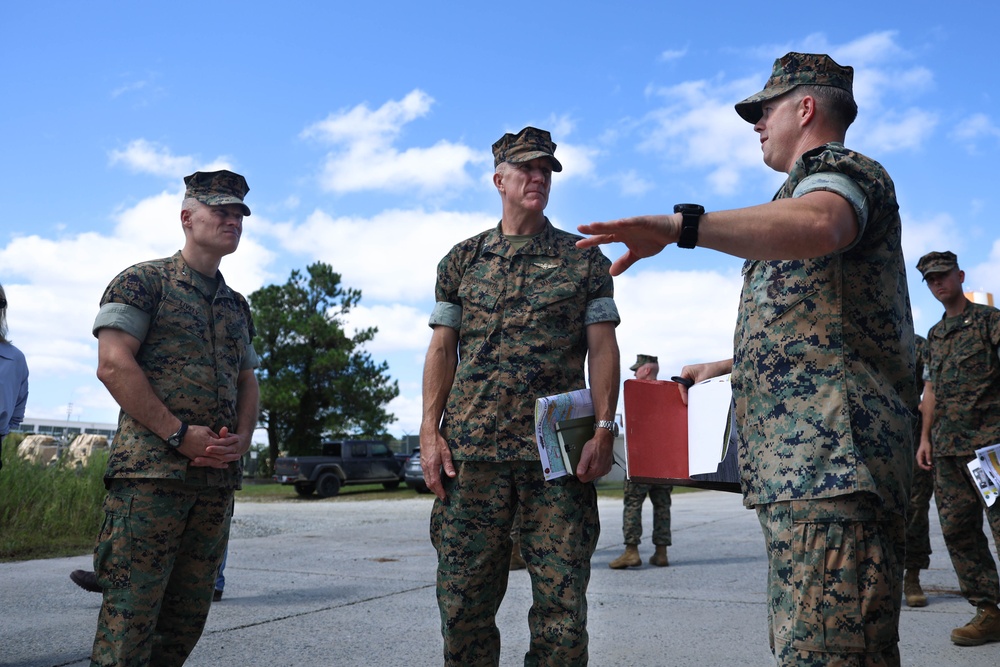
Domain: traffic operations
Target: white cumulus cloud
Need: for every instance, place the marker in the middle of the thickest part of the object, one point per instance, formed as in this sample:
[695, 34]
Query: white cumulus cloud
[364, 156]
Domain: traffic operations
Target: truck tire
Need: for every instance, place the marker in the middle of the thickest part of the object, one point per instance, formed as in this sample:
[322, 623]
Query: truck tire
[304, 489]
[328, 484]
[390, 486]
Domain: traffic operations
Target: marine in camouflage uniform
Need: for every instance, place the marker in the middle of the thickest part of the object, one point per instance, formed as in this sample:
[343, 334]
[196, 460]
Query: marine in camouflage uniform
[659, 496]
[519, 307]
[646, 367]
[175, 460]
[823, 370]
[963, 381]
[918, 538]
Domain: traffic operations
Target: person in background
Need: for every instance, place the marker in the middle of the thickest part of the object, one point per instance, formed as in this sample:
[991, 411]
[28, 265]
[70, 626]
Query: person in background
[220, 578]
[646, 367]
[961, 413]
[520, 310]
[13, 378]
[823, 366]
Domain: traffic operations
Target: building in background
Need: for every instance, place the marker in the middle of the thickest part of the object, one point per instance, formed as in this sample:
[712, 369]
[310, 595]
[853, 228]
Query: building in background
[62, 428]
[985, 298]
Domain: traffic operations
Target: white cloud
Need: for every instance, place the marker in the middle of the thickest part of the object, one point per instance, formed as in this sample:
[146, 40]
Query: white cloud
[670, 55]
[921, 236]
[898, 130]
[364, 157]
[391, 256]
[408, 409]
[698, 128]
[972, 130]
[632, 184]
[986, 275]
[150, 158]
[578, 161]
[682, 317]
[400, 327]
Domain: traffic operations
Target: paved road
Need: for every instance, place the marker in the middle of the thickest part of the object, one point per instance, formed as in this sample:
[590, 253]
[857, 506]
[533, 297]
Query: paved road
[352, 583]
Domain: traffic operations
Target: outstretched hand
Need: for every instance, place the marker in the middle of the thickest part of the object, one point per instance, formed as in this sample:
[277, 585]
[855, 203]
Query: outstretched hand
[644, 235]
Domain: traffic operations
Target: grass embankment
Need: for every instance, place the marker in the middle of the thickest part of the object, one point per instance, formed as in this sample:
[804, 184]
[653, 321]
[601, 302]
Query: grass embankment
[48, 512]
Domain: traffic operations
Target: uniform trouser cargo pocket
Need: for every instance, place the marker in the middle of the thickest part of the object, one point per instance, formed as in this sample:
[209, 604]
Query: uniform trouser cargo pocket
[113, 553]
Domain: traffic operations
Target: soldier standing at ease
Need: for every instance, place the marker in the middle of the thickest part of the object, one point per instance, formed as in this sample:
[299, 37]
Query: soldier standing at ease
[646, 367]
[519, 310]
[174, 350]
[961, 413]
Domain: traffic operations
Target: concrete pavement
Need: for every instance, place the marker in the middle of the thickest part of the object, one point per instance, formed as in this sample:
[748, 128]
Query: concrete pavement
[350, 583]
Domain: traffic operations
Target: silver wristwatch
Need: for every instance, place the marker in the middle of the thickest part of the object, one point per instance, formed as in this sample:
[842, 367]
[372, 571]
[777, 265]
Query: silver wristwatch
[609, 424]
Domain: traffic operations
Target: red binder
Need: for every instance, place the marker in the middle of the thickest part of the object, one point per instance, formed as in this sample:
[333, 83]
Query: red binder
[656, 439]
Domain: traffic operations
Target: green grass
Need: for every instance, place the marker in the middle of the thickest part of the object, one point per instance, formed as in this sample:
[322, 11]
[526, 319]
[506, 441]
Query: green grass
[48, 512]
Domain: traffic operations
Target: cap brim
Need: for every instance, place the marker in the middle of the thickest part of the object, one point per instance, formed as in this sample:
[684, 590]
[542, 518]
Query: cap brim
[225, 201]
[935, 269]
[751, 109]
[531, 155]
[634, 367]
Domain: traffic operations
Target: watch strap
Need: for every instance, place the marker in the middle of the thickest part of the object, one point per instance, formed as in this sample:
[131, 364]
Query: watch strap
[177, 438]
[609, 424]
[690, 218]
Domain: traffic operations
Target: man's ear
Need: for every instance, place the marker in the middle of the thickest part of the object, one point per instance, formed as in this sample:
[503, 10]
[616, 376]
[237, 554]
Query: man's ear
[807, 109]
[498, 180]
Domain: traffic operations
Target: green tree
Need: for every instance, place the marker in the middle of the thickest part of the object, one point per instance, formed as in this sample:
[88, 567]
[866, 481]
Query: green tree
[315, 380]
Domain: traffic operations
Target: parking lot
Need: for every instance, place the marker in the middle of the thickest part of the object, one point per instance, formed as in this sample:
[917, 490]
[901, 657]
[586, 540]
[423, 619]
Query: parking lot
[352, 583]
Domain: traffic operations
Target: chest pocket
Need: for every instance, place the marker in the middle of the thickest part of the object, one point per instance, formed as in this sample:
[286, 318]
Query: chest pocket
[550, 295]
[774, 292]
[478, 297]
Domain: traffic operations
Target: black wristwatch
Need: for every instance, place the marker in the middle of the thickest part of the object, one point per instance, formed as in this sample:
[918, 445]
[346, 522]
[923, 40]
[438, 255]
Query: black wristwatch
[691, 216]
[609, 424]
[177, 438]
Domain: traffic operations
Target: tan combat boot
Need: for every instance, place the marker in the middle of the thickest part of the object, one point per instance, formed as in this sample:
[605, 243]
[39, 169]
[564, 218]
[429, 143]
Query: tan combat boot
[516, 559]
[984, 627]
[912, 591]
[660, 557]
[628, 559]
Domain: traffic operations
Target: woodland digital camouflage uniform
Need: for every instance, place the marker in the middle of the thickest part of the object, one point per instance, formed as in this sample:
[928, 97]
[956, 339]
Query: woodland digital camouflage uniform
[823, 378]
[659, 496]
[522, 334]
[918, 539]
[196, 344]
[522, 317]
[965, 373]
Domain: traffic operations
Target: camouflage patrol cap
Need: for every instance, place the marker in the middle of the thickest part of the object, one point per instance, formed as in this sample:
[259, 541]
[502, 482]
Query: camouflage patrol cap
[937, 262]
[642, 360]
[528, 144]
[795, 69]
[217, 188]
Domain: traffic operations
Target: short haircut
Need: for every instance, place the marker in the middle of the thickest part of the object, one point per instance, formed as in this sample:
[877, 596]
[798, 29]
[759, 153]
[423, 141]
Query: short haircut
[837, 102]
[190, 204]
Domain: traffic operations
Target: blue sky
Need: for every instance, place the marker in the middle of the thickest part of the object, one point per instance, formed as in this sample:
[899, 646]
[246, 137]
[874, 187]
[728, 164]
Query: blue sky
[364, 130]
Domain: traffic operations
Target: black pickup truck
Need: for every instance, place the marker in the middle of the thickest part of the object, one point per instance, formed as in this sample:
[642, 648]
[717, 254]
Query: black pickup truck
[340, 462]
